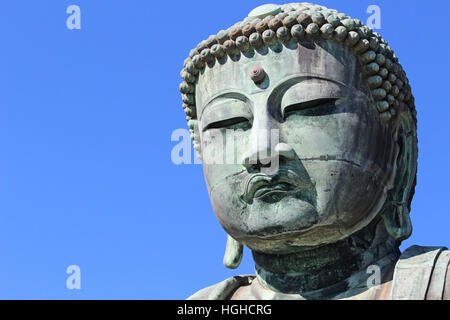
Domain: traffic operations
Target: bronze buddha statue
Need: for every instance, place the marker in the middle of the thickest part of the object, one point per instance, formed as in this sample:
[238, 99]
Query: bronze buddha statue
[306, 125]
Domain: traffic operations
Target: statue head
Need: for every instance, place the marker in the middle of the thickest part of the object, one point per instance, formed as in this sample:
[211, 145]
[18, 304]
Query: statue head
[306, 126]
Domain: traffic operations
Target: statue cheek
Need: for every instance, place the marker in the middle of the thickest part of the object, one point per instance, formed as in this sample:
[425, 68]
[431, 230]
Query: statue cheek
[224, 183]
[346, 193]
[230, 211]
[347, 154]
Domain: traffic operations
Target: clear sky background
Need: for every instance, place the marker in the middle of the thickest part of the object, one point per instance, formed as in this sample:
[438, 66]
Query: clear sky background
[86, 118]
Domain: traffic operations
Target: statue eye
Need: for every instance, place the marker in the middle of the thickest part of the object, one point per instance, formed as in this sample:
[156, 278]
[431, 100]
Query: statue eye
[308, 105]
[232, 123]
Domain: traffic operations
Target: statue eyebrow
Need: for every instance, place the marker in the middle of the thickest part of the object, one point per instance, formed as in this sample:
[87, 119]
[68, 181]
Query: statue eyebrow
[286, 83]
[225, 95]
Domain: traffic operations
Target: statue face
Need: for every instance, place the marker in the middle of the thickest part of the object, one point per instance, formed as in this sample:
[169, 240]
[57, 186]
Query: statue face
[306, 160]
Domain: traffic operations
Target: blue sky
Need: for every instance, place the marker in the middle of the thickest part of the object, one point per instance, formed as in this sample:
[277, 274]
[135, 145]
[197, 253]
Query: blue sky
[86, 118]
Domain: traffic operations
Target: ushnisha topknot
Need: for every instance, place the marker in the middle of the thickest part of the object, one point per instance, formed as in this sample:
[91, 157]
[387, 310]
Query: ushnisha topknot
[274, 25]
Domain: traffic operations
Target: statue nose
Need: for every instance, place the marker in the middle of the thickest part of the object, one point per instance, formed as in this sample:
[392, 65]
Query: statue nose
[259, 159]
[285, 151]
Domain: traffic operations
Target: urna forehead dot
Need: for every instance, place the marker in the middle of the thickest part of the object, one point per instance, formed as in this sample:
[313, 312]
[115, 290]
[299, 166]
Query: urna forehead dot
[264, 11]
[257, 74]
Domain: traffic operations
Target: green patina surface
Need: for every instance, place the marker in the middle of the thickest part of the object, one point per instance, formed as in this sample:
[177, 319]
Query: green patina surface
[330, 194]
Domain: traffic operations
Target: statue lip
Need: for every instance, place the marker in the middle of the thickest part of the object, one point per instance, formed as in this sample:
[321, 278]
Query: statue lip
[259, 185]
[271, 189]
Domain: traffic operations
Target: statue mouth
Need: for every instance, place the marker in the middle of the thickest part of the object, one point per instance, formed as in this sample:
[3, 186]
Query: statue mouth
[261, 186]
[272, 189]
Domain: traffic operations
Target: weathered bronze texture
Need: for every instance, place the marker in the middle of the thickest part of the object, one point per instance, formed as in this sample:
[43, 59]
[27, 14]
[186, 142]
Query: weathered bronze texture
[327, 196]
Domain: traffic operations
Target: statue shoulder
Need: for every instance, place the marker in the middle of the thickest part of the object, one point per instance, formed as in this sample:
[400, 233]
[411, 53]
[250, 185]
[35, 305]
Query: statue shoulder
[420, 274]
[222, 290]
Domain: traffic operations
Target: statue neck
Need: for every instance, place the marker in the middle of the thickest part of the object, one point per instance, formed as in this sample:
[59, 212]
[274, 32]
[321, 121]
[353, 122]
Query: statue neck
[329, 270]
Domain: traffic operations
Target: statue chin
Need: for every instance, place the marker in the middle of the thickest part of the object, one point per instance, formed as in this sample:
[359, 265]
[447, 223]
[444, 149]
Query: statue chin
[286, 226]
[289, 214]
[270, 226]
[274, 227]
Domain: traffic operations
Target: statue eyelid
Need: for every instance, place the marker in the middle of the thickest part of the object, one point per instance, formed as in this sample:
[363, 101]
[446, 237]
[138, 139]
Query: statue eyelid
[304, 90]
[226, 113]
[306, 95]
[225, 123]
[307, 105]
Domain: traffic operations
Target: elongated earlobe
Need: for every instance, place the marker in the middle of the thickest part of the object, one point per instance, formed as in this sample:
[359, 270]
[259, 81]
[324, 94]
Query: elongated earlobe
[396, 213]
[397, 221]
[233, 253]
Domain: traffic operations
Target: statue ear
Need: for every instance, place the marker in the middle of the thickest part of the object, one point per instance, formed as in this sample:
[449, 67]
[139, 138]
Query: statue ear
[396, 213]
[195, 136]
[233, 253]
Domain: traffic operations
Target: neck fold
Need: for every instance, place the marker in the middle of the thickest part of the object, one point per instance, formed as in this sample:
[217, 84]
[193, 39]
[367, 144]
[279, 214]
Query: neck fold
[329, 270]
